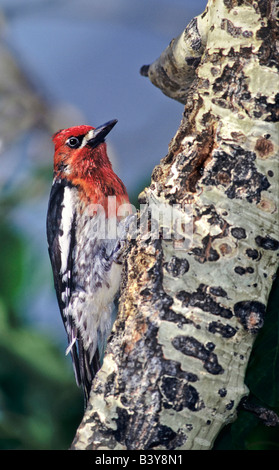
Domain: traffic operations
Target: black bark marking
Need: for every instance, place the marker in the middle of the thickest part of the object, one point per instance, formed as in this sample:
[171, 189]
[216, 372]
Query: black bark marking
[191, 32]
[228, 26]
[250, 314]
[206, 253]
[179, 395]
[230, 405]
[267, 243]
[192, 347]
[165, 436]
[237, 173]
[218, 291]
[239, 270]
[177, 266]
[238, 232]
[222, 392]
[203, 301]
[262, 106]
[253, 254]
[226, 331]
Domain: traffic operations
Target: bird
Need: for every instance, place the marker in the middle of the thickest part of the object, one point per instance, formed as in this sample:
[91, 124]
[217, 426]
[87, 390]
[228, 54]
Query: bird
[86, 214]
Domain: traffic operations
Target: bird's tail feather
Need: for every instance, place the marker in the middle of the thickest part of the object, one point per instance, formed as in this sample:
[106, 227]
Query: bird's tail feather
[87, 369]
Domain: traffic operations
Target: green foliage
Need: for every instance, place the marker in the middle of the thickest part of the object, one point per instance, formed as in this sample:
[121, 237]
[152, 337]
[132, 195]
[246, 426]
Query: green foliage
[262, 378]
[263, 373]
[11, 266]
[133, 195]
[40, 405]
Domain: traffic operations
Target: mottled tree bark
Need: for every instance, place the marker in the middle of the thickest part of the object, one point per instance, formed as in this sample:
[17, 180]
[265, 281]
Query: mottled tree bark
[174, 370]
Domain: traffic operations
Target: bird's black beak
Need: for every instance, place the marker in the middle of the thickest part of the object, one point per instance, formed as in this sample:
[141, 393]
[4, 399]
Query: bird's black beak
[101, 132]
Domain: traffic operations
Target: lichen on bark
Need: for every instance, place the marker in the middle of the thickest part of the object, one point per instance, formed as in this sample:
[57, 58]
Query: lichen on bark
[174, 371]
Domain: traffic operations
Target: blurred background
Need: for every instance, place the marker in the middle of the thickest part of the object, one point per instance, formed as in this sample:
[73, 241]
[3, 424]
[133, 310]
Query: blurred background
[64, 63]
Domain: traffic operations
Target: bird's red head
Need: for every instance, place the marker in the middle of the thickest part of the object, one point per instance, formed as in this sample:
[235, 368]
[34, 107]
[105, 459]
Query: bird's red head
[80, 150]
[81, 158]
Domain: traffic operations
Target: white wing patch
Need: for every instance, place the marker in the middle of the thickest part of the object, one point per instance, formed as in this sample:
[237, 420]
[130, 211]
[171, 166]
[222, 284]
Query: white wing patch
[67, 217]
[69, 348]
[66, 226]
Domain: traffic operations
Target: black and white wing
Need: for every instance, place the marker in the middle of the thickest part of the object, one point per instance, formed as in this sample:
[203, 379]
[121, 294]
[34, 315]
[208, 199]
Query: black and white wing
[61, 235]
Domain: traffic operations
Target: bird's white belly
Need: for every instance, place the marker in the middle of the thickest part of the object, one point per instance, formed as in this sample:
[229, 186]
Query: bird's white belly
[96, 281]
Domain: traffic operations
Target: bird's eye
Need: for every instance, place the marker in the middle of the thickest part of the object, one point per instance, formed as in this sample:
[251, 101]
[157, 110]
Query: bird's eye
[73, 142]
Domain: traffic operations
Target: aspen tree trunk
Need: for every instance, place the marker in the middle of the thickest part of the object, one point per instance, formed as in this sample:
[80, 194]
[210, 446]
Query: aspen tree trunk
[193, 299]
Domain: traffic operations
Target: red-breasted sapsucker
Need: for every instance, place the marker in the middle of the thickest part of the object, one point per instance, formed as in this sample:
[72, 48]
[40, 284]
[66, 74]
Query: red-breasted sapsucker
[84, 246]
